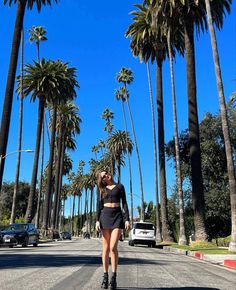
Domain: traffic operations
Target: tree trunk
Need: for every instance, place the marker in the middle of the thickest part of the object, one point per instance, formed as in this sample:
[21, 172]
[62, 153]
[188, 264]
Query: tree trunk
[50, 173]
[7, 107]
[130, 168]
[39, 202]
[57, 178]
[16, 185]
[142, 217]
[194, 140]
[29, 211]
[161, 145]
[182, 235]
[158, 222]
[225, 128]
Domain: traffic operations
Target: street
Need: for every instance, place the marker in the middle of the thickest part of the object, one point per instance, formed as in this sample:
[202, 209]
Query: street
[76, 264]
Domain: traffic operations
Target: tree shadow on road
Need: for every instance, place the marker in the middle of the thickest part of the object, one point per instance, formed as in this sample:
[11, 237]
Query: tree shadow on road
[24, 260]
[170, 288]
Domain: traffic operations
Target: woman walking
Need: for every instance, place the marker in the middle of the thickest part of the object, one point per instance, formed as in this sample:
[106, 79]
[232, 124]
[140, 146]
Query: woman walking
[110, 221]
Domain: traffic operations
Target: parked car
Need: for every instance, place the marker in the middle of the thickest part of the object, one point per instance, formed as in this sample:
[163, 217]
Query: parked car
[65, 235]
[142, 233]
[20, 234]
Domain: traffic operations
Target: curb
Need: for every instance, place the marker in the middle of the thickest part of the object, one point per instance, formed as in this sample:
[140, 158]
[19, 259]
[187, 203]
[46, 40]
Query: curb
[229, 263]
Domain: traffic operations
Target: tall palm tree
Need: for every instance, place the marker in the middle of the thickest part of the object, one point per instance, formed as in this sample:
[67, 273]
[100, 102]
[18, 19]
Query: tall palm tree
[64, 90]
[108, 115]
[142, 46]
[7, 107]
[189, 13]
[16, 185]
[120, 95]
[68, 122]
[37, 35]
[119, 144]
[223, 112]
[125, 76]
[32, 78]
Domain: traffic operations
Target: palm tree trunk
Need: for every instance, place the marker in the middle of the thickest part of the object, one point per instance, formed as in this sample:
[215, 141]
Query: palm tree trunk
[182, 235]
[29, 211]
[16, 185]
[50, 173]
[158, 222]
[161, 145]
[39, 202]
[57, 179]
[90, 211]
[60, 179]
[73, 215]
[225, 128]
[7, 107]
[194, 142]
[142, 217]
[130, 168]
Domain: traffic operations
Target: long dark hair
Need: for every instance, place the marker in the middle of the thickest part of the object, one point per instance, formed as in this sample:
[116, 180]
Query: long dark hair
[102, 184]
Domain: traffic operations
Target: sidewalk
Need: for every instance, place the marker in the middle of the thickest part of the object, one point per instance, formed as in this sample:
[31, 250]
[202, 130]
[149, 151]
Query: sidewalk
[228, 261]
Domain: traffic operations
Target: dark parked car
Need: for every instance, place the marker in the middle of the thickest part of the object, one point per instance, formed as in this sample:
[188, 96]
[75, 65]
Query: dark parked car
[65, 235]
[20, 234]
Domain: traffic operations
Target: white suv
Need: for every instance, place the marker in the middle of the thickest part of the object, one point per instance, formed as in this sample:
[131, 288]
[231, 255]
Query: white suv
[142, 233]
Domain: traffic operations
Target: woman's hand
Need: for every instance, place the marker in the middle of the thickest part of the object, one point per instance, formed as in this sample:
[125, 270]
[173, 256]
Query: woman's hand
[127, 225]
[98, 226]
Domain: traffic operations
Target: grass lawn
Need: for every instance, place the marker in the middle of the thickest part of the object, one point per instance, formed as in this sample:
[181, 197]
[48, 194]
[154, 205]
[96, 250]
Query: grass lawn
[204, 250]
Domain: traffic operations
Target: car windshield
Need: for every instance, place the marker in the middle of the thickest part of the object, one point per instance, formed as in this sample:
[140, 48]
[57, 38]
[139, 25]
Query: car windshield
[143, 226]
[16, 227]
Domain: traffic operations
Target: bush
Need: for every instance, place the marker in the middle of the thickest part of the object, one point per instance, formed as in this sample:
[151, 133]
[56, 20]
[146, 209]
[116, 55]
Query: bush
[223, 242]
[203, 245]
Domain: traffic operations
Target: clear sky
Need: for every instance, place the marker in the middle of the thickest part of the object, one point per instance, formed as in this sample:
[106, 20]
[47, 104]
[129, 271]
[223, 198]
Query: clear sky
[90, 36]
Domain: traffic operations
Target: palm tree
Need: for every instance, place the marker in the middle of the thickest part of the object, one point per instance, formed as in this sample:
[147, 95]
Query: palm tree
[223, 111]
[64, 90]
[119, 144]
[68, 123]
[142, 47]
[189, 13]
[107, 115]
[7, 107]
[16, 185]
[125, 76]
[32, 78]
[120, 95]
[37, 35]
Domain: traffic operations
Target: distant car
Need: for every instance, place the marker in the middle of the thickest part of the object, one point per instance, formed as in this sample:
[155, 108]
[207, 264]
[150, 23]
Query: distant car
[65, 235]
[20, 234]
[142, 233]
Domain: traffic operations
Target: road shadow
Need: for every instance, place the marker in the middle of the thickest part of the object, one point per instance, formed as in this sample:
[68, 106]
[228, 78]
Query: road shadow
[24, 260]
[170, 288]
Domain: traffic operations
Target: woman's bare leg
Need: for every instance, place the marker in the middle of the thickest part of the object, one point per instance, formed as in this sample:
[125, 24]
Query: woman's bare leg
[106, 237]
[115, 235]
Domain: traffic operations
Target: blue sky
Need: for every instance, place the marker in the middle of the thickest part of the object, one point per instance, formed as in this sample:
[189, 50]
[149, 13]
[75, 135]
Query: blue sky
[90, 36]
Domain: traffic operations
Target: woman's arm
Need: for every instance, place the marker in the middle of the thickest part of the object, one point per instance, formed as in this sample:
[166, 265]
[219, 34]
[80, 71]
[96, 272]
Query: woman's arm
[124, 203]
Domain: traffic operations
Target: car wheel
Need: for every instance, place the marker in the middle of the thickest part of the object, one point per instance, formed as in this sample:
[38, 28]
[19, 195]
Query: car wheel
[131, 243]
[26, 242]
[36, 243]
[149, 245]
[11, 246]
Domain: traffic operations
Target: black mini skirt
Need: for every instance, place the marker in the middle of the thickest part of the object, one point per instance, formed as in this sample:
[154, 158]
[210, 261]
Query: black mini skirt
[111, 218]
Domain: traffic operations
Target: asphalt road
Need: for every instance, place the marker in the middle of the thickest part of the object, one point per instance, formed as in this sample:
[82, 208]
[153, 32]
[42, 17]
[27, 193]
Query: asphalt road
[76, 264]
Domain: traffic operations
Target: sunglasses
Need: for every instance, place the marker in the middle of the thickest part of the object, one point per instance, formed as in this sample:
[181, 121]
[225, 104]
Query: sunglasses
[104, 176]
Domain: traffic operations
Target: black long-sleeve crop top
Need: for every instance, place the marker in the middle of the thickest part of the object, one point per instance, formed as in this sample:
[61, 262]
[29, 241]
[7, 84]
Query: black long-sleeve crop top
[114, 195]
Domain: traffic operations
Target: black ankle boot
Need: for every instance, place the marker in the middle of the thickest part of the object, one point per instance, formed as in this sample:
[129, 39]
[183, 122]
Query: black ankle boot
[104, 284]
[113, 283]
